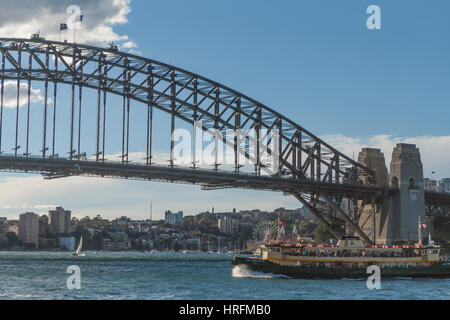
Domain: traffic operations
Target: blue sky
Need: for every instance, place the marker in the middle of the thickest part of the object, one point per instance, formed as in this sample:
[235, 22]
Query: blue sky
[314, 61]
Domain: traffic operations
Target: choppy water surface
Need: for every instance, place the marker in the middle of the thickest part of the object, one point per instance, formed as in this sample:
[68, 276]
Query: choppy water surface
[132, 275]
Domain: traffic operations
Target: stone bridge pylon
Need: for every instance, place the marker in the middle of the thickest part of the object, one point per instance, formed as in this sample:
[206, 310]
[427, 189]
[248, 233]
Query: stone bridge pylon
[396, 217]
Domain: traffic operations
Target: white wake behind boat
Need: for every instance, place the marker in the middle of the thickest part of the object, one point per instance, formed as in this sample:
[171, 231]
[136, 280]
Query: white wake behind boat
[78, 251]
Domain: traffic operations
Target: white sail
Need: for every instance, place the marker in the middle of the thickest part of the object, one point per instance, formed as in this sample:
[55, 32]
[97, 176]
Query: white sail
[79, 245]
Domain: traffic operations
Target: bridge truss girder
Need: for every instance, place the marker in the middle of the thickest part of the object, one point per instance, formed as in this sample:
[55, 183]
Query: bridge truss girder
[437, 204]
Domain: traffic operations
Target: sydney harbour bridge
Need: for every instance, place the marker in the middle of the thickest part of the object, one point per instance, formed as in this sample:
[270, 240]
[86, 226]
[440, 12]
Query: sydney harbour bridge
[58, 139]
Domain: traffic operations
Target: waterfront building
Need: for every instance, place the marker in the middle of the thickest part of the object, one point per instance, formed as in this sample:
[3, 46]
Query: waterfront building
[3, 230]
[118, 236]
[59, 220]
[174, 218]
[192, 243]
[444, 185]
[29, 228]
[67, 243]
[3, 225]
[430, 185]
[109, 245]
[43, 225]
[47, 242]
[228, 225]
[221, 225]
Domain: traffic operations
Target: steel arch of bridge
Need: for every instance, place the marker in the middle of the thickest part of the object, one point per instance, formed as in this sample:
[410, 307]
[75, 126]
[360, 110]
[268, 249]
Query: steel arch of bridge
[303, 157]
[181, 94]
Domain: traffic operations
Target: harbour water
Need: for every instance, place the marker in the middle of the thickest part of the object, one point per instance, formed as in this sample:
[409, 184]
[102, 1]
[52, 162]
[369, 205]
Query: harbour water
[167, 276]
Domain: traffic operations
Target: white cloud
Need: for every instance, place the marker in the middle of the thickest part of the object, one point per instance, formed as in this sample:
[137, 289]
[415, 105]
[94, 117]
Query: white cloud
[10, 94]
[129, 45]
[97, 28]
[45, 206]
[27, 206]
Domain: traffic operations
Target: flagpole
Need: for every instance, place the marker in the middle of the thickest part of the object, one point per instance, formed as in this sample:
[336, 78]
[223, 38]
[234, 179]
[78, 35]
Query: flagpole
[420, 231]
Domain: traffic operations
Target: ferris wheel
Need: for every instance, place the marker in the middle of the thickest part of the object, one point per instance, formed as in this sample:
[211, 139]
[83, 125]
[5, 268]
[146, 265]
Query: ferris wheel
[265, 231]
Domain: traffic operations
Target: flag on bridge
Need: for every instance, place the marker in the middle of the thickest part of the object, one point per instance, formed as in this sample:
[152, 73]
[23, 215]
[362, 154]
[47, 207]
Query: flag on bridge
[63, 26]
[422, 226]
[79, 18]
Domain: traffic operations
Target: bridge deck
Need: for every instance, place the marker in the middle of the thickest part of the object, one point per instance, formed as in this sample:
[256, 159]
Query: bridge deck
[61, 167]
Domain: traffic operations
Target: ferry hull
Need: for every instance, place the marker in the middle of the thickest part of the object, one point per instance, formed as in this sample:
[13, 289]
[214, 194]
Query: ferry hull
[438, 270]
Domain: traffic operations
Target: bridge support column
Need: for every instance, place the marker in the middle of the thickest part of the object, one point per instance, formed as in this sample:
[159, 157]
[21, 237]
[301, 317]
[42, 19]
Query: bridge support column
[395, 218]
[409, 203]
[373, 217]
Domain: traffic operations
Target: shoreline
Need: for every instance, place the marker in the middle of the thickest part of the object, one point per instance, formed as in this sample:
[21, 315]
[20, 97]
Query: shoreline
[109, 251]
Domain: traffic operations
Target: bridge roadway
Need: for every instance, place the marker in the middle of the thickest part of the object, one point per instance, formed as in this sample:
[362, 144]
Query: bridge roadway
[437, 204]
[61, 167]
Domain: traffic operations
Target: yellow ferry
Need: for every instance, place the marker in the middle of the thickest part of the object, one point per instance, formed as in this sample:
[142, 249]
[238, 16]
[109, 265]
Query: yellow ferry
[348, 259]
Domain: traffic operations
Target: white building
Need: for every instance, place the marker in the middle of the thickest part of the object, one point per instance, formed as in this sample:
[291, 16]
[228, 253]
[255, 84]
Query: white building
[228, 225]
[430, 185]
[174, 218]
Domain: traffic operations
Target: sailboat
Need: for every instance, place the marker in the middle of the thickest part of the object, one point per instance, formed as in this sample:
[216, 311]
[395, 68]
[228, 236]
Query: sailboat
[78, 251]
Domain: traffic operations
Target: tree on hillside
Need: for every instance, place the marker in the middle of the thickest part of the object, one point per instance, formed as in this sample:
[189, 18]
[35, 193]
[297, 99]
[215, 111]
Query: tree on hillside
[322, 234]
[307, 228]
